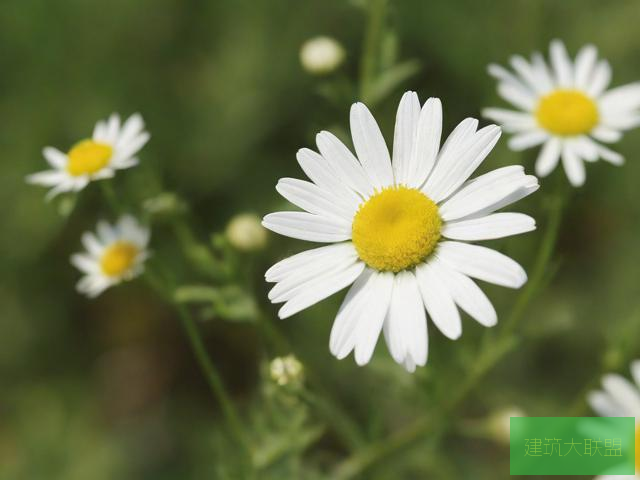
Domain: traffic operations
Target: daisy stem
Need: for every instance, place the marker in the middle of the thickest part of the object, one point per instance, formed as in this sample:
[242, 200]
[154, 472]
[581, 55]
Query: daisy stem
[212, 376]
[434, 424]
[371, 50]
[110, 196]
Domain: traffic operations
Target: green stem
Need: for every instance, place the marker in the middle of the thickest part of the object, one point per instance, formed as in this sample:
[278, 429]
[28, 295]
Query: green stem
[491, 353]
[370, 53]
[110, 196]
[212, 376]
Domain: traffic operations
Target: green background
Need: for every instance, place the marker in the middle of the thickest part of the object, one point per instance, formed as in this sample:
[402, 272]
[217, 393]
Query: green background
[109, 389]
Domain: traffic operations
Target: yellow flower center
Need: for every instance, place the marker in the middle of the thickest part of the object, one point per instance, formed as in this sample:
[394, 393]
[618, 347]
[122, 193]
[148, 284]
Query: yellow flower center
[88, 157]
[567, 112]
[396, 229]
[118, 258]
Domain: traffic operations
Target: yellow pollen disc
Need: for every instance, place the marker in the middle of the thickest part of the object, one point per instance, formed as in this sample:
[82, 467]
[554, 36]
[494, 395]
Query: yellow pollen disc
[567, 112]
[88, 157]
[118, 258]
[396, 229]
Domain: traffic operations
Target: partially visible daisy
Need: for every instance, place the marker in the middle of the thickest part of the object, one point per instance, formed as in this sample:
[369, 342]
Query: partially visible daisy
[112, 147]
[565, 108]
[620, 398]
[399, 231]
[115, 254]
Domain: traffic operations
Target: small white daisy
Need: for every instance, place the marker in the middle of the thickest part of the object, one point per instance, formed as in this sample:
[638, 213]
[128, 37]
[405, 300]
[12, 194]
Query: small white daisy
[620, 398]
[565, 108]
[112, 147]
[115, 254]
[387, 223]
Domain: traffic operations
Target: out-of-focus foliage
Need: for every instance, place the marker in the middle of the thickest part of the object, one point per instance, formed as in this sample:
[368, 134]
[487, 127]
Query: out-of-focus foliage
[109, 388]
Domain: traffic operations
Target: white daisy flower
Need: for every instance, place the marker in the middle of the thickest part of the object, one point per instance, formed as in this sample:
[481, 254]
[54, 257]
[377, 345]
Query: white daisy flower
[620, 398]
[387, 224]
[565, 108]
[112, 147]
[116, 253]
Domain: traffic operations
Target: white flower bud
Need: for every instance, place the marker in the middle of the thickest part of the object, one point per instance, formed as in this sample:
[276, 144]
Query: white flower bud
[286, 370]
[245, 232]
[321, 55]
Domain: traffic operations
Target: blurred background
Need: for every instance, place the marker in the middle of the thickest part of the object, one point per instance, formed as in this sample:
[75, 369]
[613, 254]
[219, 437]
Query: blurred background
[109, 388]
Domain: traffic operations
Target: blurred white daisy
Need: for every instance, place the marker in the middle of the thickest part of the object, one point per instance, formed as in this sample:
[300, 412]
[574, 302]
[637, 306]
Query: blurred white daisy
[565, 108]
[620, 398]
[112, 147]
[113, 254]
[387, 224]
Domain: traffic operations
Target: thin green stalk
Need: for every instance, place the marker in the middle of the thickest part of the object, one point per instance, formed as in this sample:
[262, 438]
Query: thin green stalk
[110, 196]
[434, 424]
[372, 40]
[212, 376]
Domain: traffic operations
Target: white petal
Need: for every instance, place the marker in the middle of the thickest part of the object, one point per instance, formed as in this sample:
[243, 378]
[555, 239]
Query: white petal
[507, 78]
[510, 120]
[343, 162]
[85, 263]
[438, 301]
[621, 121]
[305, 226]
[131, 148]
[561, 64]
[342, 338]
[91, 243]
[623, 392]
[497, 225]
[609, 155]
[320, 173]
[488, 192]
[113, 128]
[106, 233]
[635, 372]
[548, 157]
[606, 134]
[313, 199]
[296, 264]
[625, 98]
[528, 74]
[543, 74]
[584, 147]
[361, 315]
[405, 327]
[573, 165]
[603, 405]
[133, 126]
[452, 170]
[320, 289]
[585, 62]
[482, 263]
[373, 318]
[55, 157]
[525, 140]
[305, 278]
[467, 295]
[100, 131]
[48, 178]
[404, 136]
[427, 142]
[600, 79]
[520, 98]
[370, 146]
